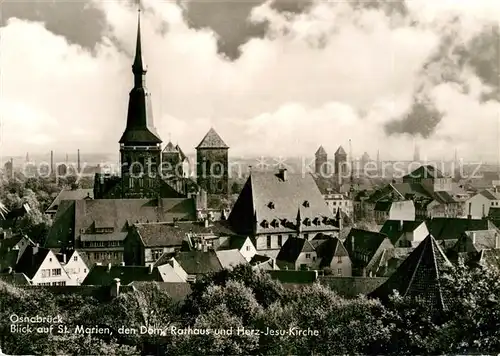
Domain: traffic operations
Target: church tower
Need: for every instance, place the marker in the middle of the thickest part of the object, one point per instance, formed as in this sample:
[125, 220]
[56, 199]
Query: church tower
[140, 144]
[212, 164]
[321, 161]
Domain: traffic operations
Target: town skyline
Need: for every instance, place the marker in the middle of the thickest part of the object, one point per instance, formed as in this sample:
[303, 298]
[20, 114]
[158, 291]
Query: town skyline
[273, 99]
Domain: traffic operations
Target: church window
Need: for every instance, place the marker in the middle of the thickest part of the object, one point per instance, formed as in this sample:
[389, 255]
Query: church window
[130, 183]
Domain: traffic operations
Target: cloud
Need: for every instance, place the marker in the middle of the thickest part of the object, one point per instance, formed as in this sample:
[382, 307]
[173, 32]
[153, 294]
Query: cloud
[321, 74]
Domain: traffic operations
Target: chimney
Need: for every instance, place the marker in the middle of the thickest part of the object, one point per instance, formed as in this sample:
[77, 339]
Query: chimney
[484, 215]
[150, 268]
[109, 267]
[35, 249]
[51, 162]
[206, 221]
[469, 216]
[283, 174]
[78, 160]
[115, 288]
[497, 241]
[473, 237]
[273, 264]
[64, 258]
[401, 223]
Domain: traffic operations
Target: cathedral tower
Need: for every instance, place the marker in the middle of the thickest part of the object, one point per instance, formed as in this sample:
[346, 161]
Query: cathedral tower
[321, 161]
[212, 164]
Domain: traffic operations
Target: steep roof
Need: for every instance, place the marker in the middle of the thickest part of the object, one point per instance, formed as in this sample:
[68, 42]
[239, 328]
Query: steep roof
[491, 194]
[320, 152]
[292, 248]
[15, 278]
[103, 275]
[31, 260]
[478, 240]
[340, 152]
[364, 241]
[394, 229]
[230, 258]
[266, 196]
[418, 276]
[170, 148]
[423, 172]
[212, 140]
[452, 228]
[199, 262]
[329, 249]
[70, 194]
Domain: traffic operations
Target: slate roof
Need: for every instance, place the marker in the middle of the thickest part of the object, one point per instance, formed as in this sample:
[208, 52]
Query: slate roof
[212, 140]
[329, 249]
[165, 258]
[418, 276]
[70, 194]
[365, 242]
[30, 262]
[292, 248]
[230, 258]
[423, 172]
[170, 148]
[100, 275]
[452, 228]
[267, 197]
[340, 152]
[199, 262]
[320, 152]
[491, 194]
[484, 240]
[394, 229]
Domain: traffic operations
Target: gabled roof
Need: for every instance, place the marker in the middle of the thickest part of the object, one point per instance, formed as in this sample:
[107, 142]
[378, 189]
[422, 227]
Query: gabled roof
[170, 148]
[230, 258]
[263, 188]
[418, 276]
[365, 157]
[491, 194]
[423, 172]
[364, 241]
[452, 228]
[15, 278]
[329, 249]
[31, 260]
[199, 262]
[104, 276]
[320, 152]
[292, 248]
[212, 140]
[394, 229]
[384, 206]
[340, 152]
[479, 240]
[70, 194]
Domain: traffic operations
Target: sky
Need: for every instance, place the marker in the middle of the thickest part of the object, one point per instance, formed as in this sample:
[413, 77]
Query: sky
[272, 78]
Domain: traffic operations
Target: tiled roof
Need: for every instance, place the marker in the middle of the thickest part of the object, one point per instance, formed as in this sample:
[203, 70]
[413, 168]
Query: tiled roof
[31, 260]
[183, 156]
[340, 151]
[170, 148]
[100, 275]
[452, 228]
[230, 258]
[292, 248]
[329, 249]
[70, 194]
[394, 229]
[212, 140]
[351, 287]
[365, 242]
[423, 172]
[418, 276]
[156, 234]
[267, 197]
[491, 194]
[320, 152]
[165, 258]
[15, 278]
[199, 262]
[479, 240]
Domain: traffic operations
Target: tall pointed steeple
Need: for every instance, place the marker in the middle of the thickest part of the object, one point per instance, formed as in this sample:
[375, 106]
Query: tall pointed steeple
[140, 130]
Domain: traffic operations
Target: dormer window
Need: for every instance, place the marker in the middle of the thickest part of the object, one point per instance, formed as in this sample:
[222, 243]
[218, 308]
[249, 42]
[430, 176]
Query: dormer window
[275, 223]
[306, 204]
[307, 222]
[317, 221]
[265, 224]
[270, 205]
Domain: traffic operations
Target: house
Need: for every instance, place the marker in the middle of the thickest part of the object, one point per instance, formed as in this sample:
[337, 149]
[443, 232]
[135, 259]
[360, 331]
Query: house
[297, 253]
[366, 251]
[479, 204]
[230, 258]
[263, 263]
[105, 275]
[241, 243]
[273, 207]
[42, 267]
[335, 200]
[332, 254]
[394, 210]
[477, 241]
[68, 194]
[196, 263]
[405, 233]
[13, 278]
[418, 277]
[75, 264]
[99, 227]
[12, 248]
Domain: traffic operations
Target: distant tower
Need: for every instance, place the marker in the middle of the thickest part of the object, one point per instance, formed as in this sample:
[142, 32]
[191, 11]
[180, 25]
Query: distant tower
[27, 157]
[212, 164]
[416, 153]
[340, 161]
[140, 144]
[321, 161]
[52, 170]
[78, 160]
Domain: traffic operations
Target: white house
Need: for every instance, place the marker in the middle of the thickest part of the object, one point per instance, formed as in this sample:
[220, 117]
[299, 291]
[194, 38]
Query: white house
[243, 244]
[335, 200]
[76, 265]
[478, 206]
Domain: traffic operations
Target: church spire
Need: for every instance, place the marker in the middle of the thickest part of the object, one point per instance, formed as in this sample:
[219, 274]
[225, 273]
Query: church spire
[138, 67]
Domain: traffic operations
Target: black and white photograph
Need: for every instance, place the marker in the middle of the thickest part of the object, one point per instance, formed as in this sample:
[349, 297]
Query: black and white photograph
[249, 177]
